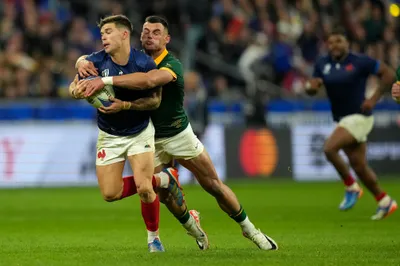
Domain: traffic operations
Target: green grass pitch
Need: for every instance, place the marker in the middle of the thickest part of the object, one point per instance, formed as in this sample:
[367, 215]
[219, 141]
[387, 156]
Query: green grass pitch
[74, 226]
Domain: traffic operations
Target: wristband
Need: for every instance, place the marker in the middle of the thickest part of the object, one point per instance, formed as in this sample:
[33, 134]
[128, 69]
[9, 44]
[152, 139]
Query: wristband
[107, 80]
[126, 105]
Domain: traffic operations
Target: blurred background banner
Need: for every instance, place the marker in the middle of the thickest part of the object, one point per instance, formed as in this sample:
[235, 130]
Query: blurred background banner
[47, 154]
[309, 162]
[258, 152]
[245, 66]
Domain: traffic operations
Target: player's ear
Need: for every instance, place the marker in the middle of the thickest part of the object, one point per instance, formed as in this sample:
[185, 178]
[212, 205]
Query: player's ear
[167, 38]
[125, 34]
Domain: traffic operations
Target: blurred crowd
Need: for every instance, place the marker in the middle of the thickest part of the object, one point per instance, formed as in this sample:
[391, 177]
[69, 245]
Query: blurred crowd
[230, 49]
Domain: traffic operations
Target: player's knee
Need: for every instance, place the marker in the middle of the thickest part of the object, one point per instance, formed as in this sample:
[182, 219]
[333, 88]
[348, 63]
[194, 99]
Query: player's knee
[144, 191]
[111, 196]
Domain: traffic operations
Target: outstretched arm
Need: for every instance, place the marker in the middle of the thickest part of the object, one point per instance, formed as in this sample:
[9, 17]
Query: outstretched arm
[147, 103]
[143, 104]
[142, 81]
[387, 77]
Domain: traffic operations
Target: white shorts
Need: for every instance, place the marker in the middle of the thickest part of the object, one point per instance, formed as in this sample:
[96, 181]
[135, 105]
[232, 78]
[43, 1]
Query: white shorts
[112, 149]
[358, 125]
[184, 145]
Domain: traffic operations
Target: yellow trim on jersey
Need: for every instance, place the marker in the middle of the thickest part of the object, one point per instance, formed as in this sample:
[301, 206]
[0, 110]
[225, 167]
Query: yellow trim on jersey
[161, 57]
[170, 71]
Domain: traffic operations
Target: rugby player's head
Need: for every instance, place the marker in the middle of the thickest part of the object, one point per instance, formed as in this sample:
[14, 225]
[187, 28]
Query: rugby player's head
[115, 30]
[155, 35]
[338, 44]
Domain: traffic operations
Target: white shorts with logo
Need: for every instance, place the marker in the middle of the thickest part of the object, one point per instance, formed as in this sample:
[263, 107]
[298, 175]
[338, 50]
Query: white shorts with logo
[112, 149]
[358, 125]
[184, 145]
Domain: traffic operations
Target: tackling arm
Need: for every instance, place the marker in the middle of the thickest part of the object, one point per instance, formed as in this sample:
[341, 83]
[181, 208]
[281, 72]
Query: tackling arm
[142, 81]
[147, 103]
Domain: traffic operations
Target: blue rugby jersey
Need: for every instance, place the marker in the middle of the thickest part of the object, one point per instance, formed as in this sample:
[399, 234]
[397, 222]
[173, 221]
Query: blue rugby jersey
[125, 122]
[345, 82]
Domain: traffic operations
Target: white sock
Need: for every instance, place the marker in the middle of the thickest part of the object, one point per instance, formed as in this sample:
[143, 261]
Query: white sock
[189, 223]
[385, 201]
[152, 235]
[354, 186]
[164, 179]
[247, 226]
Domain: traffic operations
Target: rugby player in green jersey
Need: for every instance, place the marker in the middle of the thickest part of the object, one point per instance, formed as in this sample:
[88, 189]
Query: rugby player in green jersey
[174, 138]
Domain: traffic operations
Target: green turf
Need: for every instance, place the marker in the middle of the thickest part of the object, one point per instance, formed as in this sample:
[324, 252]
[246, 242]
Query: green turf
[74, 226]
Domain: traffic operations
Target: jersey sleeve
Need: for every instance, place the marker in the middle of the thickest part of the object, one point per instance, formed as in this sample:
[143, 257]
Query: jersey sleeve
[96, 58]
[317, 73]
[174, 68]
[150, 65]
[369, 65]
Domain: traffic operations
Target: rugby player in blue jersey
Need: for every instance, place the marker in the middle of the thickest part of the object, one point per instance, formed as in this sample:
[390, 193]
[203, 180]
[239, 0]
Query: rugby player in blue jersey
[128, 133]
[344, 75]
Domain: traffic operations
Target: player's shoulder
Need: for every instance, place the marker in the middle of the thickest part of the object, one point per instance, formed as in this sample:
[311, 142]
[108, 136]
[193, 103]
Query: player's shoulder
[171, 58]
[170, 61]
[358, 57]
[323, 59]
[97, 56]
[140, 58]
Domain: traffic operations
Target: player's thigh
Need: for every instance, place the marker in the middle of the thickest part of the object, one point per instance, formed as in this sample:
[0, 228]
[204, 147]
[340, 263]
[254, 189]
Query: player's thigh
[184, 145]
[143, 167]
[141, 157]
[161, 157]
[359, 126]
[110, 160]
[339, 139]
[110, 180]
[203, 169]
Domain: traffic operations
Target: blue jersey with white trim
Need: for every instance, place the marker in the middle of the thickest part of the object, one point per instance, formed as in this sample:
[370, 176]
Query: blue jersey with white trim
[345, 82]
[125, 122]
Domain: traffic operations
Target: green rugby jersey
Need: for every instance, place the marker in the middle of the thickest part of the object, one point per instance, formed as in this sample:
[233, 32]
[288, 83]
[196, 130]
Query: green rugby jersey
[170, 118]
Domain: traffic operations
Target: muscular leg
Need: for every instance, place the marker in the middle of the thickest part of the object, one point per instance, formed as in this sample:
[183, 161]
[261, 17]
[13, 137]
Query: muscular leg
[110, 180]
[205, 173]
[358, 161]
[339, 139]
[142, 166]
[167, 199]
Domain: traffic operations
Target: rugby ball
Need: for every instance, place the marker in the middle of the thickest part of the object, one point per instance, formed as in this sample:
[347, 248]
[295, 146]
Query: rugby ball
[101, 97]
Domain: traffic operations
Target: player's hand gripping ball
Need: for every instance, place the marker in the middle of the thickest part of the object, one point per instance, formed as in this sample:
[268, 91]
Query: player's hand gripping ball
[100, 97]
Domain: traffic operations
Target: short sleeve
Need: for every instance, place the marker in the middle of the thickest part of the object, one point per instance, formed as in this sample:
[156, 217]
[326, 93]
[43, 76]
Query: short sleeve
[369, 65]
[96, 58]
[174, 68]
[150, 65]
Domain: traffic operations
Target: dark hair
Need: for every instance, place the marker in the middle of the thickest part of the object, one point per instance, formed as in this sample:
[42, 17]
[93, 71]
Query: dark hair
[158, 19]
[338, 30]
[119, 20]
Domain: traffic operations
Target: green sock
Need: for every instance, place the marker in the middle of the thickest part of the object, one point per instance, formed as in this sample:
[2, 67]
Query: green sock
[184, 217]
[240, 216]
